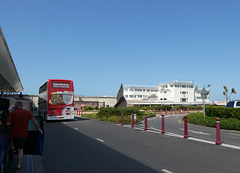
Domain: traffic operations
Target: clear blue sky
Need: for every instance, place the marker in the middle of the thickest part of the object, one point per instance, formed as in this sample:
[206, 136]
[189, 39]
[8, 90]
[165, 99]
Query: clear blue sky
[100, 44]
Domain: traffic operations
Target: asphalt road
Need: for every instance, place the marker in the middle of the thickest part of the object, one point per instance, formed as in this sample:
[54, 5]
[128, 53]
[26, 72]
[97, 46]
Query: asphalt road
[174, 124]
[91, 146]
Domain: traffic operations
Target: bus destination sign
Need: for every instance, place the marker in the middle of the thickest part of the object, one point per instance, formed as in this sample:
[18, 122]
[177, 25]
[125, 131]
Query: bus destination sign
[60, 85]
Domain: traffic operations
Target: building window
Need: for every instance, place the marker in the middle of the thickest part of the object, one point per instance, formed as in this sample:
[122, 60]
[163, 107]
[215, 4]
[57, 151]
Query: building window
[126, 96]
[177, 86]
[138, 90]
[130, 96]
[148, 90]
[153, 90]
[130, 89]
[183, 92]
[183, 100]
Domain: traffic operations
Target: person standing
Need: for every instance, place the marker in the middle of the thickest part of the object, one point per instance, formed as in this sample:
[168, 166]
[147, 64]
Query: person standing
[18, 122]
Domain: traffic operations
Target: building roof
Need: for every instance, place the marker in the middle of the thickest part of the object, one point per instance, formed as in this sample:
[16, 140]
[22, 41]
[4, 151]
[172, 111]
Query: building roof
[9, 79]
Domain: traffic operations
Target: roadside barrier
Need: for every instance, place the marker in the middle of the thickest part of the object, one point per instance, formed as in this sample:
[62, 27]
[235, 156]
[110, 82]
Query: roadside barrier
[132, 121]
[163, 131]
[218, 137]
[145, 122]
[79, 112]
[122, 119]
[185, 127]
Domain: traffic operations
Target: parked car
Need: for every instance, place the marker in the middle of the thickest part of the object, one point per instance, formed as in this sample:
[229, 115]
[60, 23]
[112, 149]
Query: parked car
[233, 104]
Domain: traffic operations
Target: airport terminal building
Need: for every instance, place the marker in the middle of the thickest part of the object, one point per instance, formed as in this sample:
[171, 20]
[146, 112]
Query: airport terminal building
[171, 93]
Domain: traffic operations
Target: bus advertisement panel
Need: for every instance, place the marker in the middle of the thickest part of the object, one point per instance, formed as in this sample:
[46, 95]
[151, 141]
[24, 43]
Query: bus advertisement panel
[56, 99]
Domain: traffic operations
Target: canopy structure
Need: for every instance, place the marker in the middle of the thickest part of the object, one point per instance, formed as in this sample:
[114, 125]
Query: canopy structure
[9, 79]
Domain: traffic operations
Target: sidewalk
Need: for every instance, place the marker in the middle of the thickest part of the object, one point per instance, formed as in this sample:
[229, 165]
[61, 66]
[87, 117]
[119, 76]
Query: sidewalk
[30, 164]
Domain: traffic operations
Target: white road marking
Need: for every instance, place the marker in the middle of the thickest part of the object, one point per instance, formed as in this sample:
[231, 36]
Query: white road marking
[180, 136]
[201, 140]
[166, 171]
[100, 140]
[235, 134]
[76, 128]
[231, 146]
[196, 132]
[155, 129]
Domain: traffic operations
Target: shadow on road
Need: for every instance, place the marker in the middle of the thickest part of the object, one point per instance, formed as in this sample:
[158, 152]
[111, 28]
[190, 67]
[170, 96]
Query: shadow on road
[68, 150]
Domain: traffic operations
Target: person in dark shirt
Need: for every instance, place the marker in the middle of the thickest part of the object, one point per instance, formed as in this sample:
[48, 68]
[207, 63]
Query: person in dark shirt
[18, 122]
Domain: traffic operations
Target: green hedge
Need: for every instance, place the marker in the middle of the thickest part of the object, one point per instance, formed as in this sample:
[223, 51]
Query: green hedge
[225, 123]
[222, 112]
[114, 114]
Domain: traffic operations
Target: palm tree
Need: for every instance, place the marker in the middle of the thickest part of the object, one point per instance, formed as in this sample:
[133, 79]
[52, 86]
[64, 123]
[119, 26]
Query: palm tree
[225, 93]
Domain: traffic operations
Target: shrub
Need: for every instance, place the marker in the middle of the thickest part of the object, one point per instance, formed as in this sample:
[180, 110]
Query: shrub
[163, 107]
[88, 108]
[225, 123]
[222, 112]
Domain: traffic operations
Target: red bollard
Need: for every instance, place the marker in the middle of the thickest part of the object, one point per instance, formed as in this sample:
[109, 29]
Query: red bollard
[185, 127]
[160, 112]
[171, 112]
[163, 131]
[155, 112]
[145, 122]
[187, 110]
[218, 138]
[175, 111]
[132, 121]
[166, 112]
[122, 119]
[184, 110]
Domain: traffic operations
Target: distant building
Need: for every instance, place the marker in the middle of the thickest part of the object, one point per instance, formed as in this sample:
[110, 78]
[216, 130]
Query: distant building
[171, 93]
[104, 101]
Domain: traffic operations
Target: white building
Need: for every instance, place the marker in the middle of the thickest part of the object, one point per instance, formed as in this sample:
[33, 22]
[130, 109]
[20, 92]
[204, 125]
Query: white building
[173, 93]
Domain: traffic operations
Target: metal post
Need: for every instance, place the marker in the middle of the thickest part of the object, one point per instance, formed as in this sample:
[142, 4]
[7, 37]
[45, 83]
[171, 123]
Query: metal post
[122, 119]
[145, 122]
[204, 108]
[218, 137]
[132, 120]
[163, 130]
[185, 127]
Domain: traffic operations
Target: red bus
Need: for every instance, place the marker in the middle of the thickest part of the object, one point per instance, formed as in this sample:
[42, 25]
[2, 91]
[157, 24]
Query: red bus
[56, 100]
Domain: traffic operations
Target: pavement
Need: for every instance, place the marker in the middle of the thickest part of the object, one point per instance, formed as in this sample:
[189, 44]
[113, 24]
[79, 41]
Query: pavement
[30, 164]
